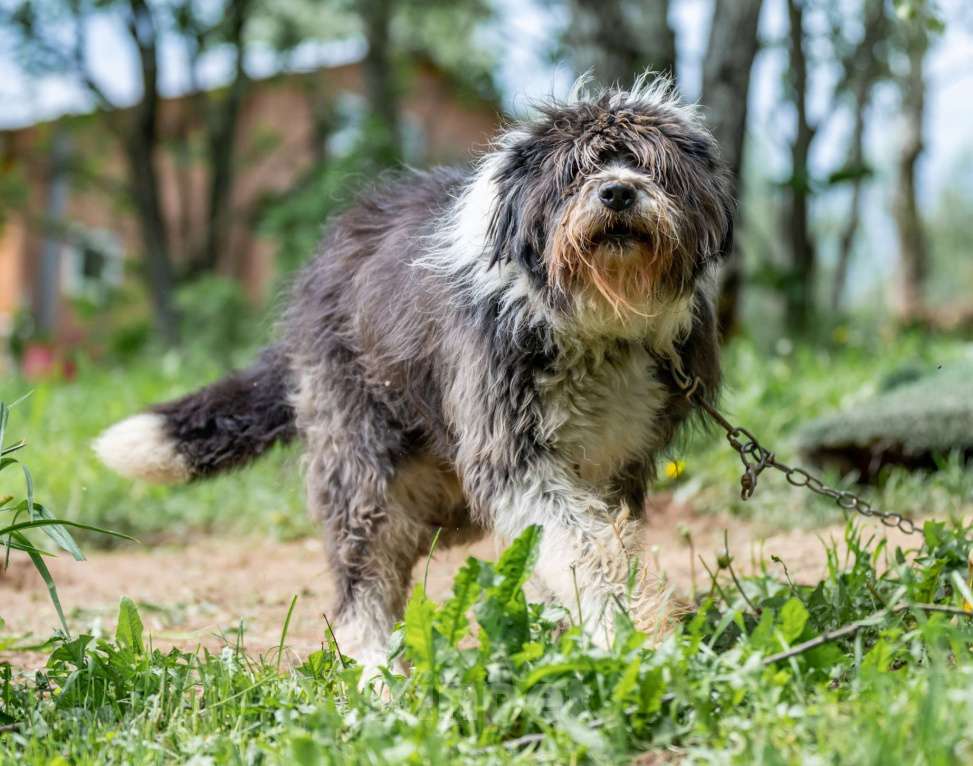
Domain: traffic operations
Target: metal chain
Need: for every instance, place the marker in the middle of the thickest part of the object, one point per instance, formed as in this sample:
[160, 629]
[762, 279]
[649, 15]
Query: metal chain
[756, 458]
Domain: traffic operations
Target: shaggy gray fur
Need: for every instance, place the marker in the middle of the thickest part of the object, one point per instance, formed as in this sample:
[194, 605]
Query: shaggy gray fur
[488, 349]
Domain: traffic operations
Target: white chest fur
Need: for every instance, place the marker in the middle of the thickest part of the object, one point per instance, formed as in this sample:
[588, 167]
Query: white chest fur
[601, 409]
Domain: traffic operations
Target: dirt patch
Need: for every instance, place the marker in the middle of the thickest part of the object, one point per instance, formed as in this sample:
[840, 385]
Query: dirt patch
[203, 592]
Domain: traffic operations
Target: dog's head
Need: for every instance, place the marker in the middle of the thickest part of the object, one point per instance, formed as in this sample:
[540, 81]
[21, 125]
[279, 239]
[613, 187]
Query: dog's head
[617, 201]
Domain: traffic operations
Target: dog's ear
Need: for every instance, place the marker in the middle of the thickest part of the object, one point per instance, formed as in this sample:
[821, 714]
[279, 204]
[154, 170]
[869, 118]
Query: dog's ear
[522, 208]
[506, 220]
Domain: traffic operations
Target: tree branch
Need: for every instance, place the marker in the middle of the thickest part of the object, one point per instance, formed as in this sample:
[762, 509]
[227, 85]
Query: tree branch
[79, 59]
[853, 627]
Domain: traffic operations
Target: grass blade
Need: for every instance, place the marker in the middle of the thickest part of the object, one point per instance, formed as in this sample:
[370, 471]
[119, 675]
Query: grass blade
[58, 533]
[13, 448]
[283, 632]
[129, 630]
[45, 574]
[39, 523]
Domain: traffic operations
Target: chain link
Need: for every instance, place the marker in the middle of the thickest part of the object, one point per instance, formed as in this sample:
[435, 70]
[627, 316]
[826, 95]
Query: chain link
[756, 459]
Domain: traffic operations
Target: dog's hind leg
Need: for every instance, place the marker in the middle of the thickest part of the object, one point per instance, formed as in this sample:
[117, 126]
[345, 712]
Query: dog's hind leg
[376, 534]
[380, 499]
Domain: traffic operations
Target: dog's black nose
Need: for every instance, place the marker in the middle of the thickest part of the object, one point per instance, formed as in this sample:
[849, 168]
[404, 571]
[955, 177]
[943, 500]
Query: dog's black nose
[617, 196]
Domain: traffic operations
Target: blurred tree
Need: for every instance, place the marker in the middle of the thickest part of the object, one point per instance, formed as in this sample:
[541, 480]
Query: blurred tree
[913, 250]
[619, 39]
[381, 86]
[221, 113]
[395, 30]
[732, 47]
[53, 37]
[447, 32]
[863, 64]
[796, 223]
[950, 265]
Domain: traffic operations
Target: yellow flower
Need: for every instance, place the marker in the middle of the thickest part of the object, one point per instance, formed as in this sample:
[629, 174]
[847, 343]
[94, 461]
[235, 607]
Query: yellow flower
[675, 468]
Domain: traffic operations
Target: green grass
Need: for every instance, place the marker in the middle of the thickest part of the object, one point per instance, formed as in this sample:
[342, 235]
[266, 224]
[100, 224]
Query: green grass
[520, 684]
[59, 420]
[772, 393]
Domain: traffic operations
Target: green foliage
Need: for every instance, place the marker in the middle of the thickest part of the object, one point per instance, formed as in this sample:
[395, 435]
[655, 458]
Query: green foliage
[776, 391]
[218, 318]
[19, 517]
[13, 191]
[734, 683]
[295, 220]
[62, 418]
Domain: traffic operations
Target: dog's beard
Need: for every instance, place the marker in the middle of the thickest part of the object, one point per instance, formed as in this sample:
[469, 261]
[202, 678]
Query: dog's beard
[627, 262]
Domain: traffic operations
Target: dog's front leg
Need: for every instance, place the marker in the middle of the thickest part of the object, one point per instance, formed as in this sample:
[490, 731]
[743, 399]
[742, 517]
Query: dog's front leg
[590, 551]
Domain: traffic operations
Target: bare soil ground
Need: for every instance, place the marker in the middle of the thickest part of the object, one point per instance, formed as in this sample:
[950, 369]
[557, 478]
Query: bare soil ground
[202, 592]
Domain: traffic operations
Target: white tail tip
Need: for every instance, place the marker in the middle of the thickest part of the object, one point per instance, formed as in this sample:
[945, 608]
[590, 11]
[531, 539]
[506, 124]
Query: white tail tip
[139, 448]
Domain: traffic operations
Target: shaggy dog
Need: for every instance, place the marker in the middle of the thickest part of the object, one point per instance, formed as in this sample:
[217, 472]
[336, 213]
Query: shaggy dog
[486, 350]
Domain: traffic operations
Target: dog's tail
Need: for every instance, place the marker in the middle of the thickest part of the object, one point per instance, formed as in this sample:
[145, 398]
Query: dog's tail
[220, 427]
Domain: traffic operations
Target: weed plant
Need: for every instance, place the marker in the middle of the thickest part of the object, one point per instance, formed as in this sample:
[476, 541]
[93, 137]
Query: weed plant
[870, 665]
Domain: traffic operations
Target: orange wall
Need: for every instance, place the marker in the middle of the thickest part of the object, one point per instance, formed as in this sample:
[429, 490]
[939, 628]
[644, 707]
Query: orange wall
[11, 280]
[275, 148]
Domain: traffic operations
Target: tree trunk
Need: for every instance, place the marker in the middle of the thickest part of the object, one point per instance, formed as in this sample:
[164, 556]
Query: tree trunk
[861, 70]
[913, 252]
[732, 47]
[222, 144]
[799, 285]
[620, 39]
[141, 146]
[856, 164]
[381, 87]
[47, 297]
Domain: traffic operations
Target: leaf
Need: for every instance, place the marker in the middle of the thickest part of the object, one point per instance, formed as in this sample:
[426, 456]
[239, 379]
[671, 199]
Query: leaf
[4, 413]
[878, 658]
[517, 562]
[532, 650]
[932, 532]
[503, 613]
[305, 751]
[793, 618]
[58, 533]
[963, 589]
[44, 572]
[72, 651]
[825, 657]
[17, 546]
[128, 633]
[451, 621]
[283, 632]
[652, 689]
[420, 614]
[628, 682]
[39, 523]
[554, 669]
[29, 481]
[762, 636]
